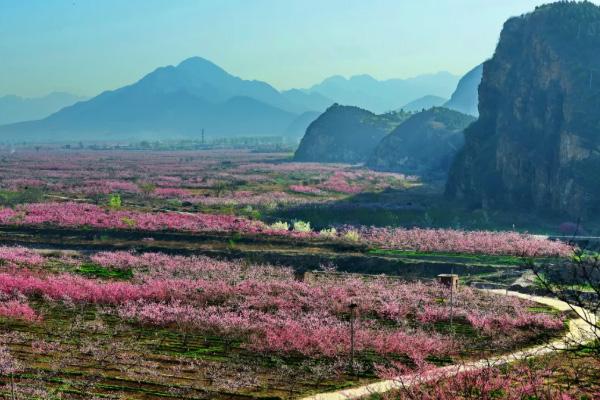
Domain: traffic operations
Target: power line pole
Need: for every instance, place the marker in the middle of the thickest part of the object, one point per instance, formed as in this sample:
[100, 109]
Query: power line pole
[202, 136]
[352, 308]
[452, 306]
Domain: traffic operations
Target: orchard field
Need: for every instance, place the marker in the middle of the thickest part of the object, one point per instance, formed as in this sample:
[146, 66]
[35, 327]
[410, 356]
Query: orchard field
[179, 274]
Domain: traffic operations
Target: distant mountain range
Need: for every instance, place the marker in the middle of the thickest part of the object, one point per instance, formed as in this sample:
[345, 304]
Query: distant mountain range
[171, 102]
[465, 98]
[368, 93]
[177, 102]
[17, 109]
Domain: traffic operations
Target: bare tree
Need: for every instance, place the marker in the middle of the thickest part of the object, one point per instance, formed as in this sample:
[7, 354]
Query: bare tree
[577, 283]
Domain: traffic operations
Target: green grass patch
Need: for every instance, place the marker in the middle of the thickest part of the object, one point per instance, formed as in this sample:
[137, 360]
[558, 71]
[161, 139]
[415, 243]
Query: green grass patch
[97, 271]
[484, 259]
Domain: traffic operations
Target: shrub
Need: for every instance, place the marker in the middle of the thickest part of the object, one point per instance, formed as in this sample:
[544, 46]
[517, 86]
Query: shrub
[114, 201]
[128, 221]
[352, 236]
[280, 226]
[328, 233]
[301, 226]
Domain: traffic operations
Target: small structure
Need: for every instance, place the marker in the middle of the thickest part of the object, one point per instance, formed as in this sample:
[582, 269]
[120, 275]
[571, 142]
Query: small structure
[449, 280]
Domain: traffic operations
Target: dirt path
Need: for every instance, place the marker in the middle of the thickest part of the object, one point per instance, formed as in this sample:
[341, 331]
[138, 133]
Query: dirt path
[579, 330]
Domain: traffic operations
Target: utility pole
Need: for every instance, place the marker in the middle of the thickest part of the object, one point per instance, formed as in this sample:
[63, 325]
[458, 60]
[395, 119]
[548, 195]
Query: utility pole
[451, 307]
[202, 136]
[450, 280]
[352, 316]
[452, 300]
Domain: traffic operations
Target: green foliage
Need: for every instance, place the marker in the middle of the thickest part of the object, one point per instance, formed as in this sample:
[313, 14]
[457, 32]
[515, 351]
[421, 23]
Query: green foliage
[424, 145]
[346, 134]
[30, 195]
[114, 201]
[328, 233]
[352, 236]
[147, 188]
[128, 221]
[280, 226]
[97, 271]
[302, 226]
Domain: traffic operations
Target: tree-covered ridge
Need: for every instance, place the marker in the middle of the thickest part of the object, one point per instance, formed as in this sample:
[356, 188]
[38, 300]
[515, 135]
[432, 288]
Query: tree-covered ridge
[425, 144]
[346, 134]
[388, 121]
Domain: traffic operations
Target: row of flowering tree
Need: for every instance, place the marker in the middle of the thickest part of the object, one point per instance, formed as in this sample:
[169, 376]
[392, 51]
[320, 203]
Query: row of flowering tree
[426, 240]
[271, 311]
[198, 178]
[263, 311]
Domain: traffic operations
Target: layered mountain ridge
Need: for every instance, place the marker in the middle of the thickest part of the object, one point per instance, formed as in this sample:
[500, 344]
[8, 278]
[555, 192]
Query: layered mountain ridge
[178, 102]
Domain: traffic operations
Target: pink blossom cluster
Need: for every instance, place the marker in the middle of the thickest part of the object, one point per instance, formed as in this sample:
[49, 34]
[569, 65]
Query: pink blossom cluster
[287, 167]
[305, 189]
[85, 172]
[107, 186]
[269, 199]
[159, 265]
[19, 255]
[18, 183]
[426, 240]
[7, 216]
[338, 182]
[82, 290]
[15, 309]
[79, 215]
[171, 192]
[271, 311]
[490, 323]
[522, 380]
[459, 241]
[312, 334]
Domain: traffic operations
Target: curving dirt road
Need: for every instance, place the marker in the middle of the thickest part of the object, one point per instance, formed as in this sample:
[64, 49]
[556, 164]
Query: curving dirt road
[579, 331]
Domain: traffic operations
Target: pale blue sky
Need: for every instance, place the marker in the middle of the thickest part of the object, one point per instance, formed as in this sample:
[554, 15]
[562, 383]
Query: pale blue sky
[87, 46]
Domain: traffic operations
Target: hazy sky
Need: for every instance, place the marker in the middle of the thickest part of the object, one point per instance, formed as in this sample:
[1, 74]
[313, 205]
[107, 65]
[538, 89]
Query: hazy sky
[87, 46]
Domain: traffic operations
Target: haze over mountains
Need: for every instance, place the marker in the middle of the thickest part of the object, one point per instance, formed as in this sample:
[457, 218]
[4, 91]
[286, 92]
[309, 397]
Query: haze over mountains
[366, 92]
[424, 103]
[177, 102]
[465, 98]
[17, 109]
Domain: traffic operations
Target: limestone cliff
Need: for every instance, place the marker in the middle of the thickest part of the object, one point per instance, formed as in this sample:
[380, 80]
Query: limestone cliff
[536, 144]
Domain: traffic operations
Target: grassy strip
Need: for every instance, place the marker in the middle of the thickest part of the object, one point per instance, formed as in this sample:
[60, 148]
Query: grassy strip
[97, 271]
[483, 259]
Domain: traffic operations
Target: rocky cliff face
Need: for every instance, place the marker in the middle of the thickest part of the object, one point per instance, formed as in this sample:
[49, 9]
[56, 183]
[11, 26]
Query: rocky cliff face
[536, 144]
[425, 144]
[345, 134]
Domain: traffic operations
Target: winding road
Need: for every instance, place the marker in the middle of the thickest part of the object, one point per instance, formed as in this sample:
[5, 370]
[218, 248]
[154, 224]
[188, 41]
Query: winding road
[579, 331]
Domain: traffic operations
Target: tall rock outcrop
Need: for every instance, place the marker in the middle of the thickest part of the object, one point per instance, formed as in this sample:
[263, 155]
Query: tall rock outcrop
[346, 134]
[425, 144]
[536, 144]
